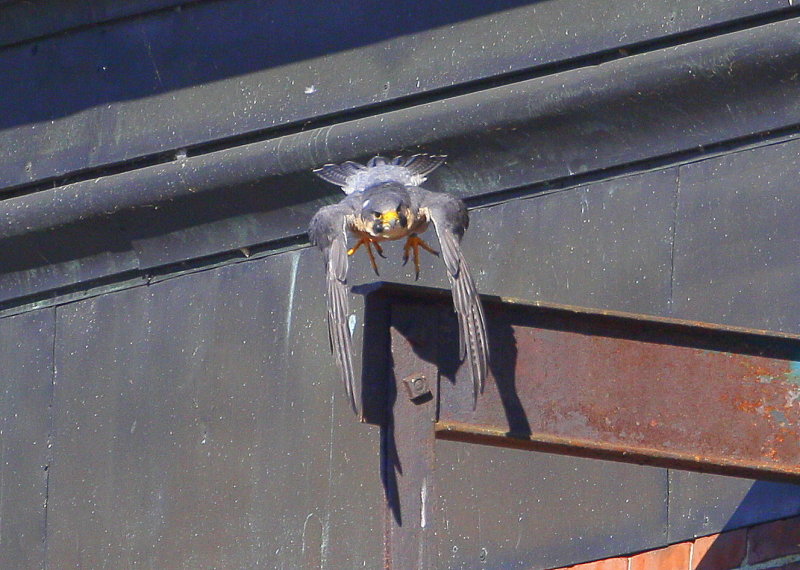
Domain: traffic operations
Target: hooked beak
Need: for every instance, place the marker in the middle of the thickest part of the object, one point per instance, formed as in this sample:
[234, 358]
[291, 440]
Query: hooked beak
[387, 222]
[390, 217]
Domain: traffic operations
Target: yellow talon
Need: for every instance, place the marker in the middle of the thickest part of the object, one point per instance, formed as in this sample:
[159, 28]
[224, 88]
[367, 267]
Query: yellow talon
[413, 243]
[368, 242]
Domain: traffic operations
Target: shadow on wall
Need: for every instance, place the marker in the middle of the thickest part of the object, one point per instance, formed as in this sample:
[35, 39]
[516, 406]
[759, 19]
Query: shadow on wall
[765, 501]
[704, 504]
[436, 344]
[203, 43]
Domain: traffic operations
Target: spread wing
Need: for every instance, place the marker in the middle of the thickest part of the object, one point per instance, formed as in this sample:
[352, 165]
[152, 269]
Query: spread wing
[420, 165]
[339, 174]
[328, 232]
[450, 218]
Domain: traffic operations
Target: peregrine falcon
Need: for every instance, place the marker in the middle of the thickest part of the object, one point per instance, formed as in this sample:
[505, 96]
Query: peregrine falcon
[385, 202]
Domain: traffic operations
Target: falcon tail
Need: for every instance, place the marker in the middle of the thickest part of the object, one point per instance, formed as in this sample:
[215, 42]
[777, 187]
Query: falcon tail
[355, 177]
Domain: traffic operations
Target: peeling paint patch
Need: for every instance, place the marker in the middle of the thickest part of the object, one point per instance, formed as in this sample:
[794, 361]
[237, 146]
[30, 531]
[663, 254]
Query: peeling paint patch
[793, 376]
[778, 417]
[423, 496]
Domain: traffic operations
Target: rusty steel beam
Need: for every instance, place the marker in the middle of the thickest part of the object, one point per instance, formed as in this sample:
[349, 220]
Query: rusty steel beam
[633, 388]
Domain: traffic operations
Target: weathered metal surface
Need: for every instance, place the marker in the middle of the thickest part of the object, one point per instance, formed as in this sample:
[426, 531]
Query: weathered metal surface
[199, 424]
[21, 21]
[616, 224]
[444, 497]
[505, 508]
[645, 390]
[702, 504]
[134, 87]
[417, 388]
[601, 508]
[606, 245]
[26, 357]
[737, 240]
[735, 255]
[511, 123]
[408, 445]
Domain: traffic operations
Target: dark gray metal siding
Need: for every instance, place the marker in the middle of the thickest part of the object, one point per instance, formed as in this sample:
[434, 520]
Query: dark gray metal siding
[615, 155]
[213, 439]
[26, 348]
[136, 85]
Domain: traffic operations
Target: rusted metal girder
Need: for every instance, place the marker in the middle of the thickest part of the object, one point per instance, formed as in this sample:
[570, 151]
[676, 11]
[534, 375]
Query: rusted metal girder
[633, 388]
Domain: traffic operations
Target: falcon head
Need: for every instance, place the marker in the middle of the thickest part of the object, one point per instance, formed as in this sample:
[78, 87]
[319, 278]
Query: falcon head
[386, 211]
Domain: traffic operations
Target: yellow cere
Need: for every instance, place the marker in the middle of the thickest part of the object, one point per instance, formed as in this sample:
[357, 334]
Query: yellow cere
[389, 216]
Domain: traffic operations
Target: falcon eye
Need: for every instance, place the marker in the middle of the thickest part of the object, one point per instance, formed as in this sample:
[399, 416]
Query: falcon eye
[403, 220]
[376, 214]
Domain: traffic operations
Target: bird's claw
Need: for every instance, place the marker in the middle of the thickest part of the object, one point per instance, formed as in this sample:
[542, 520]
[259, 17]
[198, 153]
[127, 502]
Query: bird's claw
[368, 243]
[413, 243]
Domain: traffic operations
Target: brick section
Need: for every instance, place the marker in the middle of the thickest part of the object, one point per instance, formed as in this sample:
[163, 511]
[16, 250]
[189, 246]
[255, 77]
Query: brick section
[607, 564]
[675, 557]
[768, 543]
[774, 540]
[724, 551]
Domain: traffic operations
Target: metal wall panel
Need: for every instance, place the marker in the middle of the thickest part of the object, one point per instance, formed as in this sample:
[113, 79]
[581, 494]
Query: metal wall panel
[26, 382]
[199, 425]
[503, 508]
[701, 504]
[737, 243]
[623, 225]
[604, 245]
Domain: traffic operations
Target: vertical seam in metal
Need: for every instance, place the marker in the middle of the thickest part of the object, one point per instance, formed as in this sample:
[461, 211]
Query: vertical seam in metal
[50, 437]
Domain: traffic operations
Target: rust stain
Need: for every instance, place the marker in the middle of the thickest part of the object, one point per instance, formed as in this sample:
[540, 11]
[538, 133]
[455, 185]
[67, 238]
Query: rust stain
[748, 407]
[691, 392]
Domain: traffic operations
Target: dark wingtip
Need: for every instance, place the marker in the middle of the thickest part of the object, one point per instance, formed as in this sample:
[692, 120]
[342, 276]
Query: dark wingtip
[354, 406]
[348, 377]
[331, 173]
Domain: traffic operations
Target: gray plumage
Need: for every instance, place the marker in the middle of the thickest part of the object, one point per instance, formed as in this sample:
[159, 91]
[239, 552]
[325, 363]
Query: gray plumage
[354, 177]
[385, 202]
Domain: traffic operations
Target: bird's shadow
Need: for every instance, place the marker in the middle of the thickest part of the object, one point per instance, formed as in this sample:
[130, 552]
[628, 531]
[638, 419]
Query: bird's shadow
[432, 332]
[379, 389]
[502, 365]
